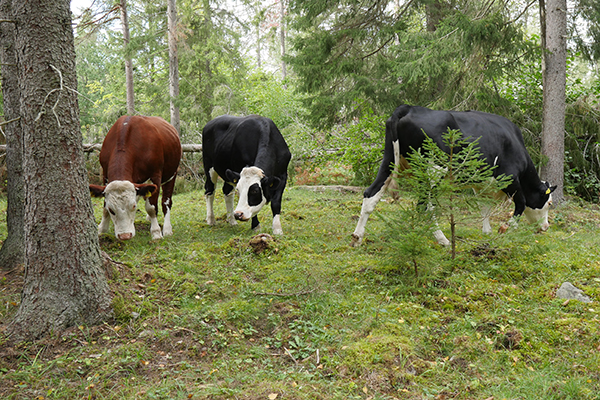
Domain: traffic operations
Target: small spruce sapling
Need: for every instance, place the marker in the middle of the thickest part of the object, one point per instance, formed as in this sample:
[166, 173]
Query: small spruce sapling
[445, 181]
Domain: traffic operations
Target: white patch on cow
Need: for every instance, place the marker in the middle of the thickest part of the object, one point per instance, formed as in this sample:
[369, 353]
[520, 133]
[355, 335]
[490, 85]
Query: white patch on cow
[210, 214]
[120, 202]
[368, 205]
[277, 230]
[167, 227]
[248, 177]
[210, 199]
[154, 226]
[540, 215]
[396, 145]
[440, 237]
[229, 200]
[486, 212]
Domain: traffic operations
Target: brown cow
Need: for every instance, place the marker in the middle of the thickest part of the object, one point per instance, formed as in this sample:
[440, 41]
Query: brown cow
[137, 149]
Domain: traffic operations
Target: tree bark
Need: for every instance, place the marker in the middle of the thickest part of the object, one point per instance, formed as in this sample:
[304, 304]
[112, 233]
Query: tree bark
[128, 62]
[173, 64]
[553, 16]
[12, 252]
[64, 281]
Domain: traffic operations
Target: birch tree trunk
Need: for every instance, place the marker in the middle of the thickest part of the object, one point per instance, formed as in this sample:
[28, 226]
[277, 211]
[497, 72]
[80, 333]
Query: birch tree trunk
[553, 16]
[173, 64]
[128, 62]
[65, 284]
[12, 252]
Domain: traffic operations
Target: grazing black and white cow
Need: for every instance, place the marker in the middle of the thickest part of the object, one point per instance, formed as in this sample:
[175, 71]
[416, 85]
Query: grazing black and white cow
[500, 142]
[250, 154]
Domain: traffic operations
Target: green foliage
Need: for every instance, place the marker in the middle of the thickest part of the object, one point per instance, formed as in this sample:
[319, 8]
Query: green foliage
[267, 96]
[384, 54]
[211, 66]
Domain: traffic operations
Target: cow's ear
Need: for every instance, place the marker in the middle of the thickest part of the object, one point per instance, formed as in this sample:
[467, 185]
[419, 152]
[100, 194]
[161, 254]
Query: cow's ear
[145, 190]
[272, 182]
[550, 189]
[232, 176]
[97, 191]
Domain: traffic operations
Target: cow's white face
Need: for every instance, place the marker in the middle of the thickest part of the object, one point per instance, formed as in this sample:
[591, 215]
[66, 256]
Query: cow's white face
[250, 192]
[120, 201]
[540, 215]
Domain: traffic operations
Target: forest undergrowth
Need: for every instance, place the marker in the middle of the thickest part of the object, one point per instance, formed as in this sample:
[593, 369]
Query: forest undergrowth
[204, 314]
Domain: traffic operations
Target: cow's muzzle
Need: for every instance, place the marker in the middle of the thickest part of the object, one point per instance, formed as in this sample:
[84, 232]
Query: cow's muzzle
[125, 236]
[240, 216]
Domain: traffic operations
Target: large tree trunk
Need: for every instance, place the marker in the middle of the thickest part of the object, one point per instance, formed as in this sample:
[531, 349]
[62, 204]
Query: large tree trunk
[173, 64]
[12, 252]
[64, 284]
[128, 62]
[553, 16]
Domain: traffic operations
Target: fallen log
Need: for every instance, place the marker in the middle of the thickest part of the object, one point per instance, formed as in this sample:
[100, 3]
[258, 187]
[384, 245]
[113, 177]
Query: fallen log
[88, 148]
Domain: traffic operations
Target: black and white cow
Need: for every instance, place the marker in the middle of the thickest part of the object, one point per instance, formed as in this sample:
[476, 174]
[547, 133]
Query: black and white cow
[250, 154]
[500, 142]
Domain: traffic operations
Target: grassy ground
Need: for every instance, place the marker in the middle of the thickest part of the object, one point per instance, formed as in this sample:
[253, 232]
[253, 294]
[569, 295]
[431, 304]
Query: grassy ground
[201, 315]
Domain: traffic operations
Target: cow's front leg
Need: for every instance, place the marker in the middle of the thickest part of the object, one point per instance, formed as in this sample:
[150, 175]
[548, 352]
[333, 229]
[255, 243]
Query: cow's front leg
[229, 200]
[210, 214]
[154, 226]
[105, 223]
[255, 223]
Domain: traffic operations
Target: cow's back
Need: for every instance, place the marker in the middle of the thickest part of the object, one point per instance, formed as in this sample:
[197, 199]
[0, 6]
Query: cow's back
[136, 147]
[500, 141]
[230, 142]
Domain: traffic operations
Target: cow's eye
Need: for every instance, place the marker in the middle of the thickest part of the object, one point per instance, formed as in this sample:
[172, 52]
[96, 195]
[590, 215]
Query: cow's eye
[110, 210]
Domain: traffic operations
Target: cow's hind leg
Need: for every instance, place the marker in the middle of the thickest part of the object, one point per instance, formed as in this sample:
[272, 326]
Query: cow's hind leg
[375, 192]
[229, 199]
[209, 190]
[368, 205]
[167, 203]
[152, 210]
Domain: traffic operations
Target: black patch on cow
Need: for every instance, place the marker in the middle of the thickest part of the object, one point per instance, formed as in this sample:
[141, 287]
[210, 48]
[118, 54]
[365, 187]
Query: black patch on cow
[255, 195]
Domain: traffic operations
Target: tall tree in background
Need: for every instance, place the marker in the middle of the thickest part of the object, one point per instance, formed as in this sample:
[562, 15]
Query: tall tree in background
[173, 63]
[128, 62]
[553, 17]
[12, 252]
[64, 281]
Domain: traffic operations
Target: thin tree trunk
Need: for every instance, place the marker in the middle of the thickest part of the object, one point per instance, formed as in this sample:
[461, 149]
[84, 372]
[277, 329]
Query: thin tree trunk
[553, 16]
[128, 62]
[282, 38]
[12, 252]
[173, 64]
[64, 281]
[258, 46]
